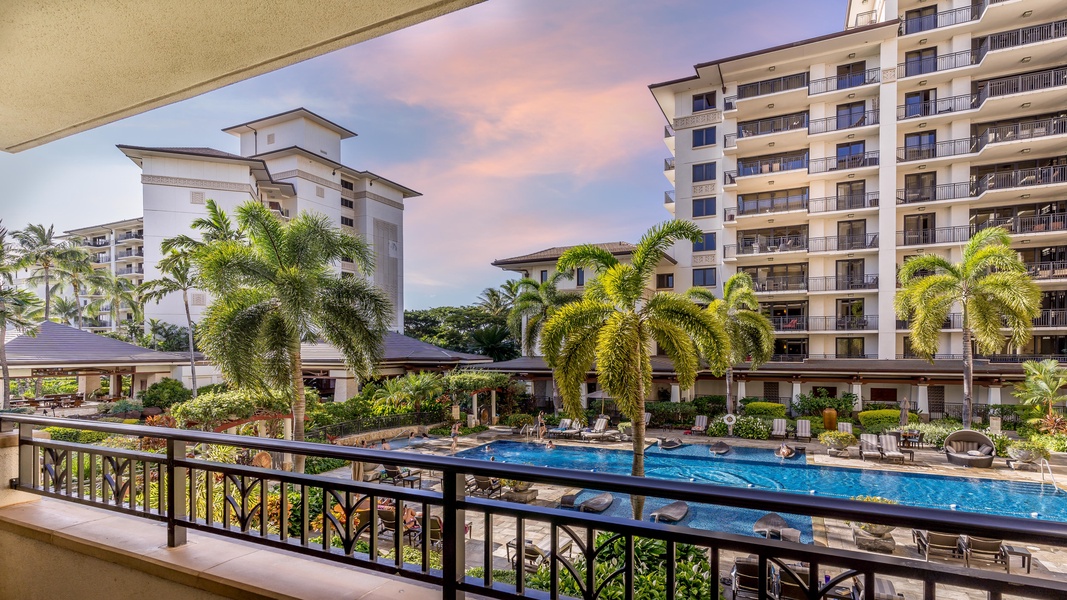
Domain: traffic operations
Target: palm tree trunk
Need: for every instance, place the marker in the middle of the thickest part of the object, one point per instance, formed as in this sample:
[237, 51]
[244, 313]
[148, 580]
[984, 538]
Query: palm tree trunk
[299, 405]
[638, 470]
[192, 353]
[47, 295]
[729, 389]
[968, 369]
[78, 303]
[5, 400]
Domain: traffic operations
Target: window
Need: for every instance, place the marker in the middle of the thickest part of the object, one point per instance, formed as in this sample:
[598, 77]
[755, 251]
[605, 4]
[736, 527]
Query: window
[544, 276]
[704, 207]
[851, 75]
[704, 172]
[347, 222]
[918, 62]
[920, 146]
[852, 235]
[579, 276]
[851, 195]
[918, 104]
[918, 229]
[850, 154]
[347, 185]
[850, 274]
[703, 137]
[920, 187]
[345, 202]
[850, 115]
[850, 348]
[920, 19]
[665, 281]
[704, 277]
[705, 244]
[703, 101]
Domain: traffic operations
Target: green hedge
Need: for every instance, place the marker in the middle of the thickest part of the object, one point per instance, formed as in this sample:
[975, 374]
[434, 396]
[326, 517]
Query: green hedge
[76, 436]
[165, 393]
[814, 404]
[320, 464]
[519, 420]
[672, 413]
[765, 409]
[747, 427]
[878, 421]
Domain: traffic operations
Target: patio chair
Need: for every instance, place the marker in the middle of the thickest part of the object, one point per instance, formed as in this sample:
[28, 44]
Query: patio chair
[432, 534]
[599, 432]
[395, 475]
[778, 429]
[803, 430]
[387, 521]
[869, 446]
[535, 555]
[745, 578]
[890, 450]
[486, 486]
[969, 448]
[671, 513]
[701, 424]
[563, 428]
[648, 419]
[787, 587]
[932, 542]
[844, 427]
[983, 549]
[883, 589]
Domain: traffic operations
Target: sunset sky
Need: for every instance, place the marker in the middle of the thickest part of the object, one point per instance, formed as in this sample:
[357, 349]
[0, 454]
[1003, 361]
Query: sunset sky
[525, 124]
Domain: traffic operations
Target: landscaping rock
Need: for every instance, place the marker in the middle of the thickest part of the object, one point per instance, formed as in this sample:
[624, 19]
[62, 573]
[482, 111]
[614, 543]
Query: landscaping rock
[870, 543]
[151, 411]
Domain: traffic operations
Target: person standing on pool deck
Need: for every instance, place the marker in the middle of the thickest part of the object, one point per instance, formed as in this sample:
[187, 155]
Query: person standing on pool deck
[455, 435]
[541, 425]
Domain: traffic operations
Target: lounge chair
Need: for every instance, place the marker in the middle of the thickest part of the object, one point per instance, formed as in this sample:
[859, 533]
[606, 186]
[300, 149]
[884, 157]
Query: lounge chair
[600, 431]
[890, 450]
[883, 589]
[786, 586]
[564, 429]
[983, 549]
[700, 425]
[486, 486]
[932, 542]
[745, 578]
[396, 475]
[387, 521]
[844, 427]
[672, 513]
[803, 430]
[597, 504]
[869, 446]
[969, 448]
[648, 419]
[778, 428]
[535, 555]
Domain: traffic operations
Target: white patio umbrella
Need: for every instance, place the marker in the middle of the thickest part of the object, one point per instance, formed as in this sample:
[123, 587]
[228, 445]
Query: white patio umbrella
[905, 405]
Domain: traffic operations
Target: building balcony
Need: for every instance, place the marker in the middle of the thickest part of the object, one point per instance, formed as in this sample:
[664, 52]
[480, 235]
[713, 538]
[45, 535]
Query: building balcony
[996, 88]
[96, 243]
[128, 237]
[947, 191]
[847, 202]
[844, 82]
[767, 245]
[1026, 131]
[131, 270]
[1018, 179]
[776, 85]
[843, 122]
[100, 259]
[1051, 319]
[843, 243]
[843, 163]
[129, 254]
[748, 208]
[1047, 270]
[937, 235]
[766, 165]
[952, 321]
[668, 200]
[668, 137]
[784, 283]
[824, 323]
[843, 356]
[935, 64]
[790, 324]
[772, 125]
[946, 18]
[832, 283]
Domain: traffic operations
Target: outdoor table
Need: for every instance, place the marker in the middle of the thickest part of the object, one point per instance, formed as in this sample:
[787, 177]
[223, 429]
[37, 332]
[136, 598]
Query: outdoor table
[909, 439]
[410, 481]
[1022, 553]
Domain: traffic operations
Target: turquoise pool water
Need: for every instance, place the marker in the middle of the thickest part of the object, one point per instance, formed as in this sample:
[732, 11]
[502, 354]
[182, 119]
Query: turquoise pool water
[759, 468]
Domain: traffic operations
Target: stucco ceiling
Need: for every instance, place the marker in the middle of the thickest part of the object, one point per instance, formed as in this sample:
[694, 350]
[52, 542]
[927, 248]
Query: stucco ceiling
[71, 65]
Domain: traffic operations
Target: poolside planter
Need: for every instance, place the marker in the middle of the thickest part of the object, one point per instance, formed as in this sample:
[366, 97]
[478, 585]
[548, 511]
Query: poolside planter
[829, 419]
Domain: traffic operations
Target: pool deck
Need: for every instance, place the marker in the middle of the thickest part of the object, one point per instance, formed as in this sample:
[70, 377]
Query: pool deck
[1047, 562]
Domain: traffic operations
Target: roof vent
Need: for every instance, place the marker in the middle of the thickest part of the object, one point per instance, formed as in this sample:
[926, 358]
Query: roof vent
[196, 197]
[270, 138]
[198, 299]
[320, 191]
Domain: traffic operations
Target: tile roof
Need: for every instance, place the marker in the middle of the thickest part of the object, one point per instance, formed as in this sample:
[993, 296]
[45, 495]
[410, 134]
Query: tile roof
[398, 349]
[201, 152]
[551, 254]
[61, 345]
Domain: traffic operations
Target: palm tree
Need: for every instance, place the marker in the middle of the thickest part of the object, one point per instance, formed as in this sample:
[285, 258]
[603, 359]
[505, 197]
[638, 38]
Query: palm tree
[394, 393]
[177, 276]
[423, 387]
[992, 287]
[280, 289]
[493, 341]
[216, 227]
[117, 291]
[534, 304]
[751, 333]
[66, 311]
[43, 253]
[19, 309]
[617, 321]
[493, 301]
[1042, 384]
[80, 275]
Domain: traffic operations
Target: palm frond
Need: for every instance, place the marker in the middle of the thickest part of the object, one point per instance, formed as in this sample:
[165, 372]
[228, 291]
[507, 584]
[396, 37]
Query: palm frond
[587, 256]
[658, 240]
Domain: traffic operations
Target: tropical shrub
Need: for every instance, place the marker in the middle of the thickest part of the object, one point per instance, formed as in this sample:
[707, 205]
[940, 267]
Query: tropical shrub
[208, 410]
[935, 432]
[1029, 446]
[813, 404]
[1000, 441]
[1052, 443]
[750, 399]
[709, 405]
[124, 406]
[718, 428]
[816, 424]
[212, 387]
[752, 428]
[879, 421]
[321, 464]
[165, 393]
[76, 436]
[519, 420]
[671, 413]
[765, 409]
[837, 438]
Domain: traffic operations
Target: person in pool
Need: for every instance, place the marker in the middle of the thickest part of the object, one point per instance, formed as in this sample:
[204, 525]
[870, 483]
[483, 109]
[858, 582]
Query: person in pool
[551, 445]
[385, 445]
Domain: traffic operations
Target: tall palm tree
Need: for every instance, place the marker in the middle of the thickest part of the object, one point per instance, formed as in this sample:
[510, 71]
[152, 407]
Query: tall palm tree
[423, 387]
[615, 324]
[493, 301]
[216, 227]
[394, 393]
[280, 289]
[80, 275]
[19, 309]
[534, 304]
[992, 287]
[1042, 385]
[177, 276]
[751, 333]
[66, 311]
[493, 341]
[42, 251]
[116, 291]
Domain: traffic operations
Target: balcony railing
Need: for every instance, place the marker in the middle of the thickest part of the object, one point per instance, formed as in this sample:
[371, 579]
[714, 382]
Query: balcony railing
[844, 82]
[841, 163]
[130, 236]
[771, 164]
[96, 243]
[934, 64]
[1051, 318]
[1019, 178]
[767, 244]
[139, 270]
[835, 243]
[668, 132]
[793, 358]
[786, 324]
[1003, 86]
[938, 235]
[947, 191]
[865, 18]
[130, 253]
[841, 122]
[100, 259]
[770, 205]
[783, 283]
[772, 125]
[941, 19]
[1033, 34]
[1027, 130]
[847, 202]
[179, 489]
[843, 356]
[833, 283]
[772, 86]
[1021, 358]
[937, 150]
[668, 164]
[849, 323]
[729, 103]
[668, 197]
[1047, 270]
[952, 321]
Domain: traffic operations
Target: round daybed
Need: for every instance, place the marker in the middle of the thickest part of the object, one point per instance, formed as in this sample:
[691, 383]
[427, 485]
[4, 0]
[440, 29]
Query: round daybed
[671, 444]
[719, 448]
[597, 504]
[970, 448]
[785, 451]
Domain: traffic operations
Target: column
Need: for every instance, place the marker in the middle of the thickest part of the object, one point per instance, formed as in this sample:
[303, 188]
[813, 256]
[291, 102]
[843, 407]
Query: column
[676, 393]
[85, 386]
[739, 386]
[994, 394]
[887, 209]
[472, 419]
[115, 390]
[857, 389]
[492, 408]
[794, 394]
[994, 399]
[922, 401]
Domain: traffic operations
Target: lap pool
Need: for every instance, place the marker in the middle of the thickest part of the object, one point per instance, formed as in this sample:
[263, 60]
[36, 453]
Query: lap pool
[759, 468]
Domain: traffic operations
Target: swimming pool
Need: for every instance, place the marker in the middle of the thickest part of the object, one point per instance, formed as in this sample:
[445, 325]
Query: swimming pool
[759, 468]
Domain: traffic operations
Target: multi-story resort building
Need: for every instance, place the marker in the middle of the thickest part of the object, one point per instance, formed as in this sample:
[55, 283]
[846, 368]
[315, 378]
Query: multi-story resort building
[117, 248]
[819, 166]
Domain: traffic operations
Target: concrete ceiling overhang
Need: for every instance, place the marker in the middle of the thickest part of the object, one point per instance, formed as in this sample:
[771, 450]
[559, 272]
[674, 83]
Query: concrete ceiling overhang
[71, 65]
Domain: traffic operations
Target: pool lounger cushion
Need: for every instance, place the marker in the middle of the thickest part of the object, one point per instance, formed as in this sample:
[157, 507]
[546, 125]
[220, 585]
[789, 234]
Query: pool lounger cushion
[672, 513]
[597, 504]
[671, 443]
[719, 448]
[568, 500]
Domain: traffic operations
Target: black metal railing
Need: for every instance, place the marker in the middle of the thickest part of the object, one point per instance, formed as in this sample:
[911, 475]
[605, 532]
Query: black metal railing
[844, 82]
[936, 235]
[942, 19]
[846, 202]
[788, 358]
[849, 323]
[916, 356]
[840, 163]
[783, 283]
[934, 64]
[835, 243]
[1021, 358]
[770, 205]
[271, 508]
[832, 283]
[841, 122]
[1026, 130]
[96, 243]
[1019, 179]
[1003, 86]
[772, 125]
[99, 258]
[843, 356]
[772, 86]
[794, 323]
[668, 164]
[771, 164]
[668, 197]
[1023, 36]
[952, 321]
[376, 424]
[1051, 318]
[766, 244]
[1046, 270]
[947, 191]
[130, 236]
[937, 150]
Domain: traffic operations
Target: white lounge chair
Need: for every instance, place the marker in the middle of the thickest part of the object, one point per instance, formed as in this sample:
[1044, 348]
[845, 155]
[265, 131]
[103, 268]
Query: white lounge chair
[778, 428]
[869, 446]
[844, 427]
[599, 431]
[803, 430]
[648, 419]
[701, 424]
[890, 450]
[564, 429]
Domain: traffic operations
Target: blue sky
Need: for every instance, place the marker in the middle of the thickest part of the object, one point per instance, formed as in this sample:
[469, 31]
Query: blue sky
[526, 124]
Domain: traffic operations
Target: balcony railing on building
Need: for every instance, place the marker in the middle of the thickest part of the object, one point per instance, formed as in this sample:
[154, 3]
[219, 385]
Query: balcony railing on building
[942, 19]
[832, 283]
[729, 103]
[841, 163]
[100, 258]
[131, 270]
[1019, 178]
[668, 197]
[841, 122]
[934, 64]
[1047, 270]
[130, 254]
[783, 283]
[772, 86]
[946, 191]
[937, 235]
[668, 132]
[844, 82]
[772, 125]
[771, 164]
[1051, 318]
[791, 323]
[952, 321]
[843, 323]
[668, 164]
[835, 243]
[1027, 130]
[798, 357]
[865, 18]
[843, 355]
[130, 235]
[845, 202]
[766, 206]
[769, 244]
[1003, 86]
[96, 243]
[1023, 36]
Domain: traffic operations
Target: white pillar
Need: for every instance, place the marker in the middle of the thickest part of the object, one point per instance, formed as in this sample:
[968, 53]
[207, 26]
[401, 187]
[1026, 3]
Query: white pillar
[739, 386]
[474, 409]
[922, 402]
[492, 408]
[795, 393]
[585, 396]
[261, 428]
[857, 390]
[676, 393]
[85, 386]
[115, 386]
[994, 394]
